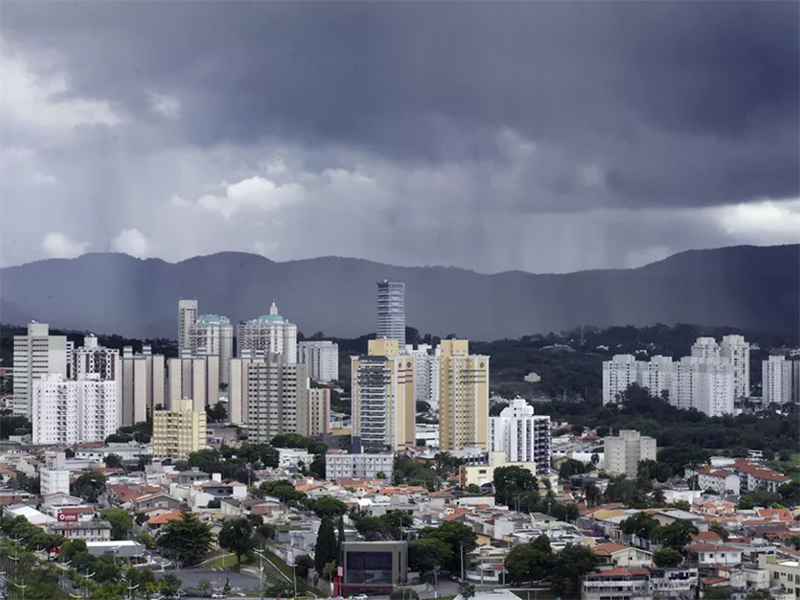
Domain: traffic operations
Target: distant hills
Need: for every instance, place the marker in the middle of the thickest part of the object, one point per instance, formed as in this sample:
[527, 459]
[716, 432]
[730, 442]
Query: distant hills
[754, 288]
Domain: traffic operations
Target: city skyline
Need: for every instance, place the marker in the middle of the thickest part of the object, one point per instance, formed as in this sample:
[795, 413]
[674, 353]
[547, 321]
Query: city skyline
[545, 137]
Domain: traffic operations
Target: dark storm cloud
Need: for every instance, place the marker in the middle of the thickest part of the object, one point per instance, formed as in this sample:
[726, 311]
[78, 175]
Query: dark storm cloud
[671, 103]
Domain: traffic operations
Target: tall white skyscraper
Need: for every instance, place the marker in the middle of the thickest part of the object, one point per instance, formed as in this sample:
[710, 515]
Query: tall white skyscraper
[392, 312]
[705, 347]
[71, 412]
[212, 335]
[93, 358]
[523, 436]
[194, 377]
[269, 333]
[426, 373]
[736, 349]
[142, 381]
[187, 315]
[35, 355]
[238, 386]
[322, 359]
[776, 380]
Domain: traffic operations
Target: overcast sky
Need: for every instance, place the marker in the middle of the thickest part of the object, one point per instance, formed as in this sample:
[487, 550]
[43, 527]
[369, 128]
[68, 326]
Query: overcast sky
[494, 136]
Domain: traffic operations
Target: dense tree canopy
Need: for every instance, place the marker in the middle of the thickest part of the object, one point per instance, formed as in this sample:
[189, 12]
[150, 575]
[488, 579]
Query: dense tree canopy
[186, 540]
[238, 536]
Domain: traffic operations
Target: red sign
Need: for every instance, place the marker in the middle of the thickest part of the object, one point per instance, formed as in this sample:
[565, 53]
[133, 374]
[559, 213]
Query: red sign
[67, 518]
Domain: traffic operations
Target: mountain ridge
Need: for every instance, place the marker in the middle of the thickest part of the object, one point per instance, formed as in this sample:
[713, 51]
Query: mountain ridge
[755, 287]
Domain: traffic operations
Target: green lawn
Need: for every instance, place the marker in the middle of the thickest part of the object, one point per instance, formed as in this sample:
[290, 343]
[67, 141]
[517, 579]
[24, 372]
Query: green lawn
[225, 561]
[539, 594]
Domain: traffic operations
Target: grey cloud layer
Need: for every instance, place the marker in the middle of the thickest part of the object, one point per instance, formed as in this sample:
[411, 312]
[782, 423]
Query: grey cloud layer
[490, 129]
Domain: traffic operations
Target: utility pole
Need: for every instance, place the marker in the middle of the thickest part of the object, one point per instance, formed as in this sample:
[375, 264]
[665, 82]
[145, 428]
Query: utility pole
[462, 563]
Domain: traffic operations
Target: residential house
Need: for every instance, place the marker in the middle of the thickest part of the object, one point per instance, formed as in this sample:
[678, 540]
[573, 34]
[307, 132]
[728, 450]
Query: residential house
[619, 555]
[90, 531]
[710, 554]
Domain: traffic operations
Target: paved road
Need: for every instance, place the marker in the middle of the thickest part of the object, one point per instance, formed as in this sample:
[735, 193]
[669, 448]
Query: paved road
[217, 578]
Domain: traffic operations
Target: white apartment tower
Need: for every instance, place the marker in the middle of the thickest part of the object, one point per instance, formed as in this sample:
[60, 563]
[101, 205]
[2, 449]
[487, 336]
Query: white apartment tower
[736, 349]
[623, 452]
[426, 373]
[212, 335]
[195, 377]
[321, 358]
[277, 398]
[93, 358]
[269, 333]
[776, 380]
[523, 436]
[142, 379]
[392, 312]
[187, 315]
[618, 374]
[36, 355]
[71, 412]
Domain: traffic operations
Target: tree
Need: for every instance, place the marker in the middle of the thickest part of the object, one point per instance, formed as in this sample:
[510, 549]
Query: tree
[327, 507]
[216, 413]
[237, 536]
[169, 584]
[570, 565]
[403, 593]
[458, 537]
[511, 481]
[427, 554]
[657, 498]
[717, 593]
[121, 522]
[422, 406]
[667, 558]
[592, 494]
[325, 550]
[530, 562]
[146, 540]
[753, 499]
[790, 492]
[89, 486]
[620, 489]
[380, 475]
[186, 540]
[675, 535]
[720, 531]
[304, 564]
[640, 525]
[113, 461]
[474, 488]
[569, 468]
[466, 590]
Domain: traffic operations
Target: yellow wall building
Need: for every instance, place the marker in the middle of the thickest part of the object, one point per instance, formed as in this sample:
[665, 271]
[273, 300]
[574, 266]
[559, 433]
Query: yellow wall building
[179, 431]
[463, 397]
[383, 418]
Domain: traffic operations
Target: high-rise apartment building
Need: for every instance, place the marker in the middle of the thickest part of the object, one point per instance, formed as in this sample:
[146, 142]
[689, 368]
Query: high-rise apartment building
[319, 411]
[776, 380]
[736, 349]
[277, 398]
[624, 451]
[179, 431]
[36, 355]
[71, 412]
[195, 377]
[392, 312]
[708, 380]
[93, 358]
[796, 379]
[270, 334]
[237, 386]
[142, 379]
[212, 335]
[523, 436]
[54, 476]
[321, 358]
[426, 373]
[187, 315]
[382, 394]
[463, 397]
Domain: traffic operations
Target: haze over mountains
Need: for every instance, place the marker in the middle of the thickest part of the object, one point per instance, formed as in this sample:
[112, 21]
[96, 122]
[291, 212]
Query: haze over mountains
[755, 288]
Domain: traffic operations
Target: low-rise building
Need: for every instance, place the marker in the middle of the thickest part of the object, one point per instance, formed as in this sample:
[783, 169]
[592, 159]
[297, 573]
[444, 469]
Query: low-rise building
[291, 458]
[620, 583]
[620, 555]
[783, 574]
[340, 465]
[710, 554]
[94, 531]
[720, 481]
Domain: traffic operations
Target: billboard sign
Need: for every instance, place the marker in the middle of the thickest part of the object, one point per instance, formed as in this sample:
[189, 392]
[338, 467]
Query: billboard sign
[67, 518]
